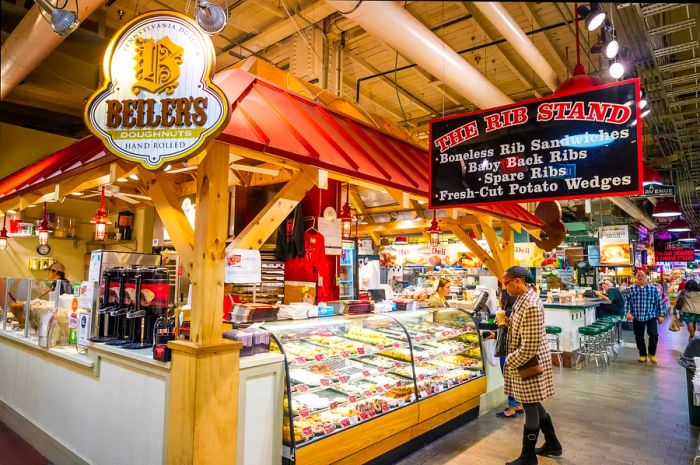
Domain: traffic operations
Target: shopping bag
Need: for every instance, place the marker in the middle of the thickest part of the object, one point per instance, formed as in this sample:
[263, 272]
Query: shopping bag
[501, 343]
[675, 324]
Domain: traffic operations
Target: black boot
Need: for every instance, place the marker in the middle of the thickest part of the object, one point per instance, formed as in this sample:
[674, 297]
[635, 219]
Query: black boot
[551, 446]
[527, 456]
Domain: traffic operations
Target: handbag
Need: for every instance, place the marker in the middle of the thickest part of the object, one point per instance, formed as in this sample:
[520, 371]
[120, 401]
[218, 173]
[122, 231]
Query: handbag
[531, 369]
[501, 349]
[675, 324]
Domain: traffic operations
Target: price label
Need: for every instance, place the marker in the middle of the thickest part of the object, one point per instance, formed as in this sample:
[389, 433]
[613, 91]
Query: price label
[328, 428]
[307, 431]
[368, 393]
[398, 384]
[344, 379]
[354, 420]
[418, 338]
[387, 387]
[364, 415]
[421, 377]
[379, 389]
[325, 382]
[419, 358]
[366, 373]
[352, 399]
[361, 350]
[319, 357]
[380, 347]
[385, 408]
[413, 397]
[438, 388]
[396, 344]
[333, 405]
[300, 360]
[345, 354]
[304, 412]
[345, 422]
[423, 394]
[397, 364]
[401, 402]
[381, 369]
[302, 388]
[427, 337]
[449, 383]
[372, 413]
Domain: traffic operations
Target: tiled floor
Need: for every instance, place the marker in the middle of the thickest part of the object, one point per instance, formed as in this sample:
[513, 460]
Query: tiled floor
[631, 414]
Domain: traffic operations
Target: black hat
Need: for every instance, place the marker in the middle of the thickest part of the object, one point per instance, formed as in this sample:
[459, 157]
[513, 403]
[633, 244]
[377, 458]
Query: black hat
[520, 272]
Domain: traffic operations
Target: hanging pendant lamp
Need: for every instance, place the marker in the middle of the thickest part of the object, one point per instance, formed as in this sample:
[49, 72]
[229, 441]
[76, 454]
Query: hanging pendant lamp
[666, 208]
[434, 231]
[346, 216]
[100, 219]
[3, 234]
[687, 236]
[678, 225]
[651, 176]
[43, 230]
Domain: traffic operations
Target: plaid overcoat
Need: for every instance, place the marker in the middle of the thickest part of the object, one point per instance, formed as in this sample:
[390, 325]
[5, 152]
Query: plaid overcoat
[526, 337]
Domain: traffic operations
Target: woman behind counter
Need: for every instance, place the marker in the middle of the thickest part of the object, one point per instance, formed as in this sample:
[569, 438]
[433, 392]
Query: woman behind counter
[439, 298]
[57, 272]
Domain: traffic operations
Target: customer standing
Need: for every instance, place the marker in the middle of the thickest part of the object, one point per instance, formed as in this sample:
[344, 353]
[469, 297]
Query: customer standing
[688, 302]
[514, 407]
[614, 302]
[526, 340]
[644, 309]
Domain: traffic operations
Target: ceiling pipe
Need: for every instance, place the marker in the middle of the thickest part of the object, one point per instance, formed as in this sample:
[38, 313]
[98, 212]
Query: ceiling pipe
[30, 43]
[633, 211]
[509, 28]
[395, 26]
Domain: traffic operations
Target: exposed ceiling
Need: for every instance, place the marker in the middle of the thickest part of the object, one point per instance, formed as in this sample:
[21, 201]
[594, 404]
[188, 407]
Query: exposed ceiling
[305, 36]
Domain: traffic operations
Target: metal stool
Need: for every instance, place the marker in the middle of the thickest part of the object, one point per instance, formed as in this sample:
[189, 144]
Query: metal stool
[552, 335]
[607, 338]
[590, 345]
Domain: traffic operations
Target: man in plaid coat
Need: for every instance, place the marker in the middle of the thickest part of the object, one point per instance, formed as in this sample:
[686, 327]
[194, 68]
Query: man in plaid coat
[526, 339]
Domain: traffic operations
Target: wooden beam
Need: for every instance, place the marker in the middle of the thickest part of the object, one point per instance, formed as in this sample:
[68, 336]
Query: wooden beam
[262, 180]
[492, 240]
[160, 188]
[376, 238]
[508, 246]
[268, 220]
[476, 249]
[394, 227]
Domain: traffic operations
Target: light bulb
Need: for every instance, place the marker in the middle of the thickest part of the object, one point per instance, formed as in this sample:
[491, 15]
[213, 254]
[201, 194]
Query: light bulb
[595, 20]
[617, 70]
[210, 17]
[100, 231]
[43, 237]
[646, 112]
[612, 48]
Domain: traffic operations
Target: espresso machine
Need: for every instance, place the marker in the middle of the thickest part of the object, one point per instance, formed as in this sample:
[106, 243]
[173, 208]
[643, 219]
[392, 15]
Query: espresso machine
[152, 300]
[109, 302]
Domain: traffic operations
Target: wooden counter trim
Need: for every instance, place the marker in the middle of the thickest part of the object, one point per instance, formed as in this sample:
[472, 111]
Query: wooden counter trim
[360, 438]
[76, 362]
[444, 401]
[198, 349]
[123, 358]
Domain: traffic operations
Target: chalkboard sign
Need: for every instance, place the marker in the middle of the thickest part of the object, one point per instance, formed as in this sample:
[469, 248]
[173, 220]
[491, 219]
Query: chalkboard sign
[576, 145]
[673, 251]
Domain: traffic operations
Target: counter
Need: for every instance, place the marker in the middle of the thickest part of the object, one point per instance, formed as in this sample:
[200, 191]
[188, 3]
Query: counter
[570, 317]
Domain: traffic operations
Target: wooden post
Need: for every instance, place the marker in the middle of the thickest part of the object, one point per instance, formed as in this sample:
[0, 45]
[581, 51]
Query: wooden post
[203, 388]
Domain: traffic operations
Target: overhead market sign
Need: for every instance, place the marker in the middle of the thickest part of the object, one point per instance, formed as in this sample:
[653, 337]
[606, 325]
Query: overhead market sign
[575, 145]
[673, 251]
[614, 245]
[658, 190]
[157, 103]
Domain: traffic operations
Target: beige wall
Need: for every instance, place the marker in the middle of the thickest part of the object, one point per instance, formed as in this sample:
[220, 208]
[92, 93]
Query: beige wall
[14, 261]
[20, 147]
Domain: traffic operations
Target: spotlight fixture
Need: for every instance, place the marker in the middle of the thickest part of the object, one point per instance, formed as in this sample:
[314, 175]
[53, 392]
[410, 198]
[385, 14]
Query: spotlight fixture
[612, 47]
[210, 17]
[134, 176]
[617, 70]
[666, 208]
[678, 225]
[63, 22]
[594, 16]
[642, 99]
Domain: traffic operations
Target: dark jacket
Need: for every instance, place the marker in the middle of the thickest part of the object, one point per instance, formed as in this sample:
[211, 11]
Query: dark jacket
[290, 236]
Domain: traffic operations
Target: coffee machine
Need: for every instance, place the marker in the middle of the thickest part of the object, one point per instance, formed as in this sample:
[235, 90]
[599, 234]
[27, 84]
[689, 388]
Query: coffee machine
[109, 301]
[123, 327]
[152, 299]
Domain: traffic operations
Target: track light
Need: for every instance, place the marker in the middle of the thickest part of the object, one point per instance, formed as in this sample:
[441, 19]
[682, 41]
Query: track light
[611, 48]
[210, 17]
[617, 70]
[642, 99]
[63, 22]
[594, 16]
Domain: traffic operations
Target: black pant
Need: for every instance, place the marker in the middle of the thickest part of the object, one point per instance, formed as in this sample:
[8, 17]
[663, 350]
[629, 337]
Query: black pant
[652, 331]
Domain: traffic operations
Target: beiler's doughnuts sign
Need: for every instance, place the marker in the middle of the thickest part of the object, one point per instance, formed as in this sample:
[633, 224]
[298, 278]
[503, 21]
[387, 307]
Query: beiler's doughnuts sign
[157, 103]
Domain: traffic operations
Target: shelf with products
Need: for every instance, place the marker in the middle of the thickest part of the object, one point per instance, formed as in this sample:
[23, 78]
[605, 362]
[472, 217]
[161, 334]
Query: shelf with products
[345, 371]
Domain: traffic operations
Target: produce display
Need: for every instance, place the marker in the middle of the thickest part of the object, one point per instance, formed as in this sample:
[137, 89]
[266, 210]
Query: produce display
[347, 373]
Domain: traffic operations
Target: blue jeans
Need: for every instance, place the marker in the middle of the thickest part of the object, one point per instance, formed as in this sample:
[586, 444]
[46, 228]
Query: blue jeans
[511, 400]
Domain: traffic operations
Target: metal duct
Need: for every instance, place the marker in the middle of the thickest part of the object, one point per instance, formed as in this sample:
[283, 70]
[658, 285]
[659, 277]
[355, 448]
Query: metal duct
[508, 27]
[633, 211]
[30, 43]
[395, 26]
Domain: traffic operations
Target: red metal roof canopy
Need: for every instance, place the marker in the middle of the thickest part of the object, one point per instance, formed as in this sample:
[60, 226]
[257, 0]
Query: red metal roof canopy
[269, 119]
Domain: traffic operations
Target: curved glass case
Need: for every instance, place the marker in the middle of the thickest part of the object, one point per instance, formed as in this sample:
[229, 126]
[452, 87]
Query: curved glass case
[346, 370]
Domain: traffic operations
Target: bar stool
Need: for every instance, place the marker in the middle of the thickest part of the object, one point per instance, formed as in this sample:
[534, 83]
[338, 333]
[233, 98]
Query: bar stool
[609, 335]
[589, 345]
[552, 335]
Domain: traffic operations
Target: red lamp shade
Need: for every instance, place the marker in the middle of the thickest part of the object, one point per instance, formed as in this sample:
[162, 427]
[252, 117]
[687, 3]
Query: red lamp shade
[43, 230]
[346, 221]
[100, 219]
[678, 225]
[401, 240]
[3, 234]
[434, 232]
[666, 208]
[651, 176]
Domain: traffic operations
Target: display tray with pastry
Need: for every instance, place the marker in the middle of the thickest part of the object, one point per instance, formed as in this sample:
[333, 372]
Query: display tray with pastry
[384, 362]
[300, 351]
[368, 336]
[332, 371]
[377, 385]
[311, 402]
[432, 331]
[342, 346]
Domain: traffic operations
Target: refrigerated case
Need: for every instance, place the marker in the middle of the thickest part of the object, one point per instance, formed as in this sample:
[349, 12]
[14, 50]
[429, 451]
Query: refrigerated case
[348, 275]
[352, 381]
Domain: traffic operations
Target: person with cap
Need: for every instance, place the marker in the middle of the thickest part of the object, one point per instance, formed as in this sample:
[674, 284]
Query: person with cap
[57, 274]
[614, 302]
[526, 341]
[644, 310]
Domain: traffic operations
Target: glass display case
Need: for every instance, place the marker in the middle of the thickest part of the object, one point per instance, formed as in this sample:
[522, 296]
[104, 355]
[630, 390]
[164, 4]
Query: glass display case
[24, 302]
[344, 371]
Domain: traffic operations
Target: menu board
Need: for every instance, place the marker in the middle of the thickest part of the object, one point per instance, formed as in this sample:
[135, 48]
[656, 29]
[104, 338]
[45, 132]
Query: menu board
[242, 266]
[673, 251]
[614, 245]
[576, 145]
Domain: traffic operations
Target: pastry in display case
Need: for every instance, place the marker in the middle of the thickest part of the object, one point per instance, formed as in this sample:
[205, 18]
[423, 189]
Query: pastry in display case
[344, 371]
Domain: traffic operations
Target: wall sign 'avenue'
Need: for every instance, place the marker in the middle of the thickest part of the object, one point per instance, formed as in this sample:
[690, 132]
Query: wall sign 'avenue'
[157, 103]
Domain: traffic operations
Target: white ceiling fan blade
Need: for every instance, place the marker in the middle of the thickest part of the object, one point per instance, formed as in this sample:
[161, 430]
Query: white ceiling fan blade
[126, 199]
[136, 196]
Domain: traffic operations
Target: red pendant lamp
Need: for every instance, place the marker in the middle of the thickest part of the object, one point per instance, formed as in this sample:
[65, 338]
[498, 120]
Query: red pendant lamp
[687, 236]
[100, 219]
[3, 234]
[652, 177]
[346, 216]
[666, 208]
[678, 225]
[434, 231]
[43, 230]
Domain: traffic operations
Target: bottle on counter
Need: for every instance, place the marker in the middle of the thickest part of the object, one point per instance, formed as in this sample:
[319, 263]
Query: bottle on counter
[163, 331]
